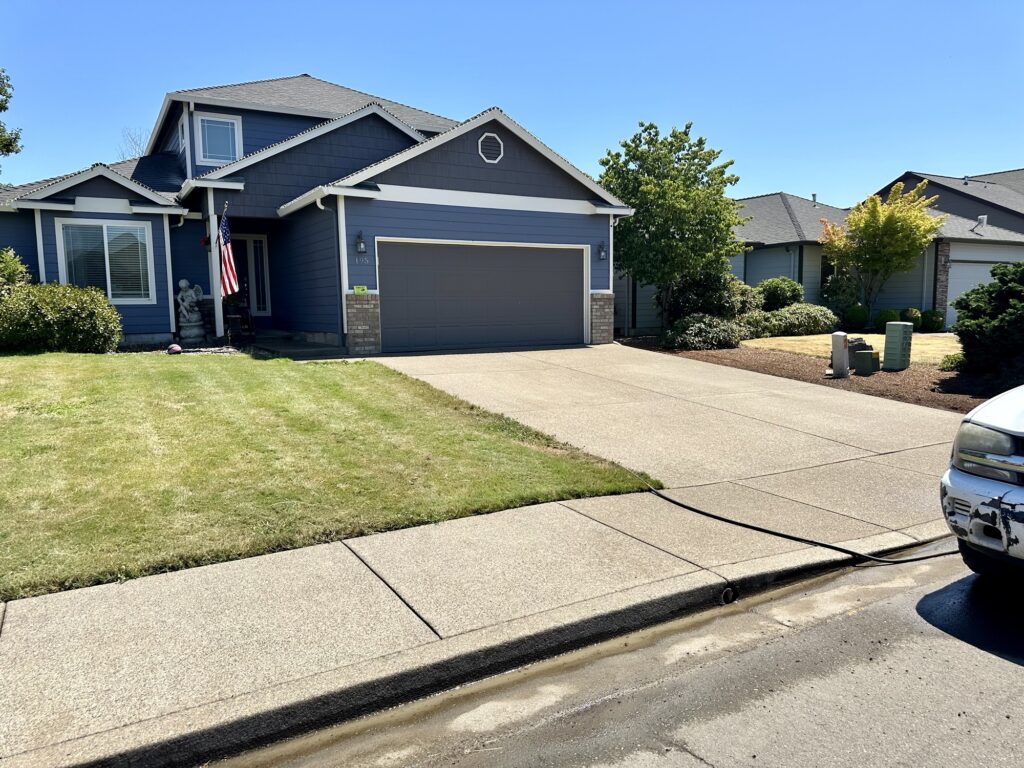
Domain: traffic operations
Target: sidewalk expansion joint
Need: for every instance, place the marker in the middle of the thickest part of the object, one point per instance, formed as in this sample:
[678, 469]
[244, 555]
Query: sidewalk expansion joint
[394, 591]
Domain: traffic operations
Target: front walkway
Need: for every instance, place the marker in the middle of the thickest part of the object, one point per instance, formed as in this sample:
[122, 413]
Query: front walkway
[187, 665]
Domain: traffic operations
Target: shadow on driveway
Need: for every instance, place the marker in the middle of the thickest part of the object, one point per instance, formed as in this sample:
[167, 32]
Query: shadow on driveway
[983, 612]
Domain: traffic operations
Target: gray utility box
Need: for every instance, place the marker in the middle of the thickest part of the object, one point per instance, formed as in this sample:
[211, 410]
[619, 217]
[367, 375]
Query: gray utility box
[897, 346]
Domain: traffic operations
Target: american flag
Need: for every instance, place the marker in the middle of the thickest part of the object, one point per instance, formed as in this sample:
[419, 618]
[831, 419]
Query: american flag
[228, 277]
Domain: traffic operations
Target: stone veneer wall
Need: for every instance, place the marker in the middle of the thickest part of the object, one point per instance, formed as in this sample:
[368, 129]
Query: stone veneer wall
[602, 318]
[942, 276]
[363, 312]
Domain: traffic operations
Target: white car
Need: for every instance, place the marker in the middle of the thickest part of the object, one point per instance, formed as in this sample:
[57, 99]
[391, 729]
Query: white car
[983, 489]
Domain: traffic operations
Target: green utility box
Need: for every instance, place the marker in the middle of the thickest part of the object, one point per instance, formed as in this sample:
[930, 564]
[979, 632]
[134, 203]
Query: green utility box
[897, 346]
[864, 362]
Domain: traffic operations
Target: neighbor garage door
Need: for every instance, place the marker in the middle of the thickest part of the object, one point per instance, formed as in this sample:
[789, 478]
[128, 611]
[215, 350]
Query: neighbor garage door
[449, 296]
[963, 277]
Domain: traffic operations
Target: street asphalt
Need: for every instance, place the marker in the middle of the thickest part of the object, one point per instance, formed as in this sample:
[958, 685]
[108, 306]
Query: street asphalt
[908, 665]
[202, 662]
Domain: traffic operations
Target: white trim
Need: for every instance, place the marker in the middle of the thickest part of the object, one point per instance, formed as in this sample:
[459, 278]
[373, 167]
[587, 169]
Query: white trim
[250, 258]
[197, 120]
[501, 118]
[498, 244]
[191, 184]
[218, 301]
[312, 133]
[601, 291]
[430, 196]
[343, 256]
[91, 173]
[480, 148]
[98, 205]
[58, 225]
[188, 140]
[39, 246]
[611, 253]
[167, 264]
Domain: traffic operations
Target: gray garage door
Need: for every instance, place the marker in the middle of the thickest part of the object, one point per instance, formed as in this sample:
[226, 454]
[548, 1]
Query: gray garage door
[436, 296]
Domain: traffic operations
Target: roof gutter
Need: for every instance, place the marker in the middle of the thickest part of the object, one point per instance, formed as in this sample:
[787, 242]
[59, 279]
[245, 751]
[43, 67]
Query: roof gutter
[191, 184]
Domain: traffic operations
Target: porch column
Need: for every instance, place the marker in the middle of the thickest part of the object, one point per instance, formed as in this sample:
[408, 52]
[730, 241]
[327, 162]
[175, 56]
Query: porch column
[218, 305]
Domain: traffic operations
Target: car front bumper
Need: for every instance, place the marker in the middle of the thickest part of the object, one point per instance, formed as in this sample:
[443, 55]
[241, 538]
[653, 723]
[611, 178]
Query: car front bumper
[987, 514]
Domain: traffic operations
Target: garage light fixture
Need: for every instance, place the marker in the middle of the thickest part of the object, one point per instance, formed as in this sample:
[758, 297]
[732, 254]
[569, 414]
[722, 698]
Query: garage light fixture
[360, 243]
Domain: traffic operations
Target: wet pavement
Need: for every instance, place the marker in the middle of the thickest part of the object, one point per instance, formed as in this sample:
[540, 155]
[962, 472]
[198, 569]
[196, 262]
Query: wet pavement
[918, 664]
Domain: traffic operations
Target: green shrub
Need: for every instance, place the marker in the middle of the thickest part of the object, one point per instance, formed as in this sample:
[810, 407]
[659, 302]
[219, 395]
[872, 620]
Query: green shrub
[884, 316]
[757, 324]
[12, 270]
[58, 318]
[707, 289]
[856, 317]
[912, 315]
[780, 292]
[932, 321]
[745, 298]
[840, 292]
[990, 320]
[953, 362]
[703, 332]
[803, 320]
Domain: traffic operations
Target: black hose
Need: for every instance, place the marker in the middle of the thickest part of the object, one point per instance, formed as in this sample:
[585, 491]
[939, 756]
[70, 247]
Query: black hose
[789, 536]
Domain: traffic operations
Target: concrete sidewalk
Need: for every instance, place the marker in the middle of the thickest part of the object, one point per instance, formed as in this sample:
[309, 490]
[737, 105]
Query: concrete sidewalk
[190, 665]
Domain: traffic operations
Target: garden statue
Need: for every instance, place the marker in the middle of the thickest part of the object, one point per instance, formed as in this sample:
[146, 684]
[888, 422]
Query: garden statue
[190, 320]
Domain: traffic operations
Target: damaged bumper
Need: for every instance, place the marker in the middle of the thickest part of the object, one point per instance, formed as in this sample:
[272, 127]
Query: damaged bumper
[987, 514]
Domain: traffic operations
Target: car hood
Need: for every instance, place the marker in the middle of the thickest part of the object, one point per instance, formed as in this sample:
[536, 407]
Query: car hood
[1004, 412]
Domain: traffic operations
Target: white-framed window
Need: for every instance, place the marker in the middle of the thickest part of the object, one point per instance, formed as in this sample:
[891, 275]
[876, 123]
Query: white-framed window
[181, 134]
[114, 256]
[218, 138]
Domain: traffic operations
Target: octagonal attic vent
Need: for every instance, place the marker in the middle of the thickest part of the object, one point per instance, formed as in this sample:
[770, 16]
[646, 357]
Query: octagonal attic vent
[490, 147]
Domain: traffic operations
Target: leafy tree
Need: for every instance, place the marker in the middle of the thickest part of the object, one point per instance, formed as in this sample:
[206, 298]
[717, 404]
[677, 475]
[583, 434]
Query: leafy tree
[10, 138]
[880, 238]
[683, 228]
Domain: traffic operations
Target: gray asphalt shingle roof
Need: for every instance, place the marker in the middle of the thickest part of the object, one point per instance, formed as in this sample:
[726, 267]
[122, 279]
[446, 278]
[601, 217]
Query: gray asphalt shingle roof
[310, 93]
[960, 228]
[152, 172]
[984, 188]
[780, 217]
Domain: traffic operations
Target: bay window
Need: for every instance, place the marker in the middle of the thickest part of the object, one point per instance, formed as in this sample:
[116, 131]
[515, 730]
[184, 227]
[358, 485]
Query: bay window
[114, 256]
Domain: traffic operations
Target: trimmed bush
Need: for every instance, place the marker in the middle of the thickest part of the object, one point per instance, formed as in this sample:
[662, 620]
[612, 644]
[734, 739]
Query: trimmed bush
[707, 289]
[932, 321]
[884, 316]
[703, 332]
[757, 324]
[12, 270]
[912, 315]
[840, 291]
[780, 292]
[953, 362]
[990, 320]
[58, 318]
[856, 317]
[803, 320]
[745, 298]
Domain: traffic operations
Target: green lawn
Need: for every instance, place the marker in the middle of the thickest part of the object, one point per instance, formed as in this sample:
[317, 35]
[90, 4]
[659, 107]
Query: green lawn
[925, 348]
[114, 466]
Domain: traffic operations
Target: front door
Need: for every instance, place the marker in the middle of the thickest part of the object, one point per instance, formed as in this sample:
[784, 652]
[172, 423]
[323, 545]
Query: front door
[252, 264]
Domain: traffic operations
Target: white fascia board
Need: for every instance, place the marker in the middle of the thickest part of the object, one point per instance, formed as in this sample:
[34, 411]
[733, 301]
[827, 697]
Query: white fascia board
[458, 198]
[42, 205]
[98, 205]
[92, 173]
[307, 198]
[191, 184]
[504, 120]
[176, 210]
[161, 116]
[312, 133]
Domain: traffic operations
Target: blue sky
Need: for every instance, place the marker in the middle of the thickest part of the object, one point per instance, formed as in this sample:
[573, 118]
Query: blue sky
[833, 98]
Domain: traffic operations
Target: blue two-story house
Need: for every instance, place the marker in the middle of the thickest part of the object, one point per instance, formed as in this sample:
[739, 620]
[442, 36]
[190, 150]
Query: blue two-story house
[356, 221]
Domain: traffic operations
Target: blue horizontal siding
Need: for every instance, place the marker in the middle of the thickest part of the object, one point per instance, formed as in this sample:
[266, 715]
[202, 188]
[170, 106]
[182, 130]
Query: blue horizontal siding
[305, 290]
[190, 259]
[18, 231]
[145, 318]
[259, 130]
[442, 222]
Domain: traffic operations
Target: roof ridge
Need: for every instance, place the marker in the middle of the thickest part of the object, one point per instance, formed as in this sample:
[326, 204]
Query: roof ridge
[792, 216]
[755, 197]
[244, 82]
[372, 96]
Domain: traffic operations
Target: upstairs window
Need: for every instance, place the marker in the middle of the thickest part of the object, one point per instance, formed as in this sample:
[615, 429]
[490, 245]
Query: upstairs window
[219, 139]
[114, 256]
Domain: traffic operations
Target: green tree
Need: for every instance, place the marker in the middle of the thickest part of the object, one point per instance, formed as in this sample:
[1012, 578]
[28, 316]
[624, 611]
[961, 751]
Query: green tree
[684, 223]
[10, 138]
[880, 238]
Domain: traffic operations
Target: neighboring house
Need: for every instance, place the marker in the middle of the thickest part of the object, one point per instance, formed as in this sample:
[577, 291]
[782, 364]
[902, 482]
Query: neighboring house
[782, 232]
[356, 221]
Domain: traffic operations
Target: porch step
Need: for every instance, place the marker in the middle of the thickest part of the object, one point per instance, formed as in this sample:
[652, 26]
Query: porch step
[297, 350]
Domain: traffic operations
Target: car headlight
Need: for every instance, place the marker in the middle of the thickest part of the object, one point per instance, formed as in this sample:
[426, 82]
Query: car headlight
[985, 452]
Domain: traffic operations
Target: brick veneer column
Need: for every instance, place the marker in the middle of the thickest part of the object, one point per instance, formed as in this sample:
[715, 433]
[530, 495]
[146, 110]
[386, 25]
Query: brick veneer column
[602, 318]
[942, 276]
[363, 311]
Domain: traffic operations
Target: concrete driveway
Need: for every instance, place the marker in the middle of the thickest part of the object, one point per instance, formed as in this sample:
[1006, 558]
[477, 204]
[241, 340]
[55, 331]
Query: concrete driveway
[735, 441]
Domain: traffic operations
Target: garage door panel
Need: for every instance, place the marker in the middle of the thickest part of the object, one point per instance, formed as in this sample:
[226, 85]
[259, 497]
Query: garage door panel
[439, 296]
[963, 277]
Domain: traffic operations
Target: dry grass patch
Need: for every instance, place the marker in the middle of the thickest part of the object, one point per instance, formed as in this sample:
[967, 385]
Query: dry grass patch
[926, 348]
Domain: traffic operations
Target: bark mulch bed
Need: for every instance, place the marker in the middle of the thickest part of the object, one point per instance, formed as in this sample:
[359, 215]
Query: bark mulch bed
[918, 384]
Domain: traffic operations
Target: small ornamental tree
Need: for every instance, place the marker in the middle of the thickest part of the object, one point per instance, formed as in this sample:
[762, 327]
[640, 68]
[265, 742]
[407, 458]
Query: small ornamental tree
[880, 238]
[684, 223]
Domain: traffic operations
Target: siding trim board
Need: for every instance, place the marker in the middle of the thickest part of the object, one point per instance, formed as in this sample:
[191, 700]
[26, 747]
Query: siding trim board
[39, 245]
